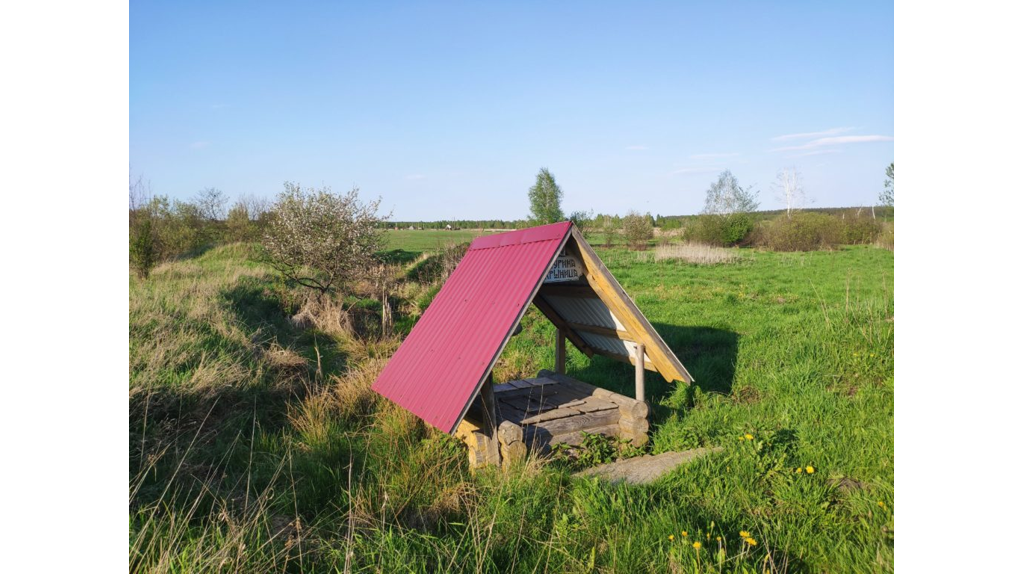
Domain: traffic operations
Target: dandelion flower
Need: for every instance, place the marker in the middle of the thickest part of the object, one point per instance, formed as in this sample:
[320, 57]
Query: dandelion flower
[748, 436]
[799, 470]
[696, 545]
[684, 534]
[810, 469]
[751, 541]
[881, 504]
[744, 534]
[718, 538]
[671, 537]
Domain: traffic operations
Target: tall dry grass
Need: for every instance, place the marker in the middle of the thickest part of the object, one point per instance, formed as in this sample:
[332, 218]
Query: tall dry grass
[697, 253]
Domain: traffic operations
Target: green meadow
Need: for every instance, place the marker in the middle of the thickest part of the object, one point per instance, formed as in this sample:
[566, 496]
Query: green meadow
[255, 443]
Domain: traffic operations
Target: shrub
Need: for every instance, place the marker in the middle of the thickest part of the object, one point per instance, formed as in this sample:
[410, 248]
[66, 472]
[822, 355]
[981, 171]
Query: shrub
[321, 240]
[638, 229]
[803, 232]
[143, 247]
[860, 229]
[722, 230]
[886, 238]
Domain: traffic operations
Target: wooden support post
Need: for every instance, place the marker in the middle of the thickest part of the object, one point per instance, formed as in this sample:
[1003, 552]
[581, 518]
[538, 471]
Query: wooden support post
[490, 407]
[640, 372]
[560, 351]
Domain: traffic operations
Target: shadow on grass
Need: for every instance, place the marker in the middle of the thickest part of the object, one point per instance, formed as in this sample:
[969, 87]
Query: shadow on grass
[709, 354]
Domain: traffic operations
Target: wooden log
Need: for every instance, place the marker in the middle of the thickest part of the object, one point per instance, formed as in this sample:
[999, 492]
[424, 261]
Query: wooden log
[578, 422]
[576, 438]
[514, 452]
[640, 372]
[634, 430]
[483, 451]
[466, 427]
[509, 433]
[634, 427]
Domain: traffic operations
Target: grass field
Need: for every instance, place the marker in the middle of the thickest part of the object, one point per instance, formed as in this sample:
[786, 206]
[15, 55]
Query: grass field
[428, 239]
[257, 446]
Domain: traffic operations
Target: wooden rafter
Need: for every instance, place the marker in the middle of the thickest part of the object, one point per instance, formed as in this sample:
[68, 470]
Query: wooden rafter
[612, 295]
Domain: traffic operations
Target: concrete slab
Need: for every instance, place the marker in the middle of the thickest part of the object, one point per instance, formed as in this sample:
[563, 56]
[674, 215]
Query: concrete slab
[645, 469]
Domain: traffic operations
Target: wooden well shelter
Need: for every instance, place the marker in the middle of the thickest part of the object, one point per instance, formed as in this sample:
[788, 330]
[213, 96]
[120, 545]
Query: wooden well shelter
[442, 371]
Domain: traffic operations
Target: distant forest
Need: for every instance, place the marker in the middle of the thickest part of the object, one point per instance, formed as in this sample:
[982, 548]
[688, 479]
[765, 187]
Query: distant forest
[884, 213]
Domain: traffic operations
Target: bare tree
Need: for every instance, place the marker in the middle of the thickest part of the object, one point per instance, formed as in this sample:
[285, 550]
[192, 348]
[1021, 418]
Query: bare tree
[789, 189]
[211, 203]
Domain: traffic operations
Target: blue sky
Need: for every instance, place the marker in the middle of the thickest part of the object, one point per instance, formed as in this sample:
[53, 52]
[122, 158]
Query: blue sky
[448, 111]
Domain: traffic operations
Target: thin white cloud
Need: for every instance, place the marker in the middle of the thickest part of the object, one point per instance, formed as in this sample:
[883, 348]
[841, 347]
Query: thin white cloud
[809, 135]
[713, 155]
[415, 177]
[636, 147]
[835, 141]
[815, 152]
[199, 145]
[692, 170]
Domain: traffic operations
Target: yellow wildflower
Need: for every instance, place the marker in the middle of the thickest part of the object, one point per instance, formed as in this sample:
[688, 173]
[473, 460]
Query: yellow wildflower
[696, 545]
[751, 541]
[718, 538]
[744, 534]
[748, 436]
[810, 469]
[799, 470]
[671, 537]
[684, 534]
[881, 504]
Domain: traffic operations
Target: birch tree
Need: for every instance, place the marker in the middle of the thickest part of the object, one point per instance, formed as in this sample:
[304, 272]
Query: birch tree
[789, 189]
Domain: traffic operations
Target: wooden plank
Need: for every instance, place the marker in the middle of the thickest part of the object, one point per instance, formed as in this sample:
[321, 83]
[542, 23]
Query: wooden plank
[596, 404]
[583, 291]
[490, 407]
[550, 416]
[555, 318]
[640, 372]
[624, 359]
[502, 387]
[560, 351]
[519, 384]
[636, 408]
[603, 331]
[612, 294]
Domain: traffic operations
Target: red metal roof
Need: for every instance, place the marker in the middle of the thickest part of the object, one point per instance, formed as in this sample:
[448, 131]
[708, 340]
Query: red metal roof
[440, 366]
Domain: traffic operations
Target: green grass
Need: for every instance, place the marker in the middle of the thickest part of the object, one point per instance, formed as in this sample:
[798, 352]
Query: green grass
[243, 455]
[421, 240]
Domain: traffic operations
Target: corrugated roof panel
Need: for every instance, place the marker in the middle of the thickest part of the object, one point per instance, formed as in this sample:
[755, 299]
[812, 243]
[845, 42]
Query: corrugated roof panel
[439, 367]
[585, 311]
[611, 345]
